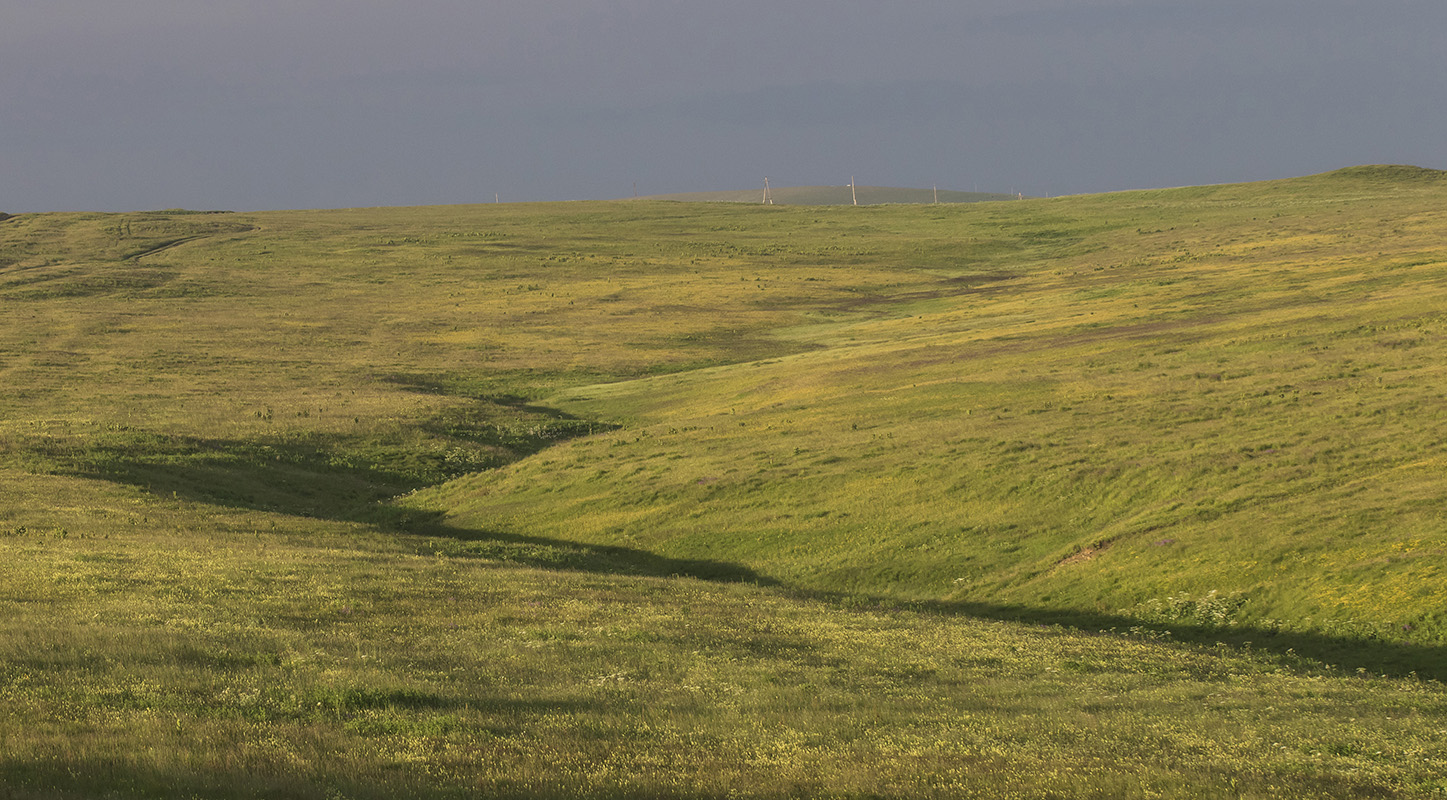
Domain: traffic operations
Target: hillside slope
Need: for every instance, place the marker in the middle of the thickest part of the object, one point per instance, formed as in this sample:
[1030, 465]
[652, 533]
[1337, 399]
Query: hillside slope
[1115, 404]
[1119, 403]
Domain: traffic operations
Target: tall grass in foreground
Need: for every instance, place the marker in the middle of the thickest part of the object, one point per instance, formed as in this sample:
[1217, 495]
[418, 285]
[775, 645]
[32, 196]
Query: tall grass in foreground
[327, 661]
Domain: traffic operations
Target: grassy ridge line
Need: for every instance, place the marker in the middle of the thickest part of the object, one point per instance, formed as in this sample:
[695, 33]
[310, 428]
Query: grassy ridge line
[1212, 389]
[834, 196]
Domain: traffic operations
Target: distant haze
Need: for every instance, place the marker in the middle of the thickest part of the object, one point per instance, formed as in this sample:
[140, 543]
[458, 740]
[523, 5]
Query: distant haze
[133, 104]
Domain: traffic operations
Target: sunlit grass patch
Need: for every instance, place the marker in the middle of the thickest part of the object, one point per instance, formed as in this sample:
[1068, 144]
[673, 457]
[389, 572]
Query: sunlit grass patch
[282, 664]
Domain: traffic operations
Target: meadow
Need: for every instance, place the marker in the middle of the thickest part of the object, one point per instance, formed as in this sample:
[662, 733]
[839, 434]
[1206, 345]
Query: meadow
[1130, 495]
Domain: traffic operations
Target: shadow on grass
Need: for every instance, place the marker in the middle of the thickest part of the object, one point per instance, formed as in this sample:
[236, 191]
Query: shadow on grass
[63, 779]
[449, 385]
[300, 478]
[535, 551]
[1298, 650]
[351, 480]
[125, 777]
[328, 479]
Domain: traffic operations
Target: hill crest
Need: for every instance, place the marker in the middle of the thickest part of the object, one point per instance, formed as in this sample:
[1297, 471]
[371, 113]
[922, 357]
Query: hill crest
[834, 196]
[1387, 172]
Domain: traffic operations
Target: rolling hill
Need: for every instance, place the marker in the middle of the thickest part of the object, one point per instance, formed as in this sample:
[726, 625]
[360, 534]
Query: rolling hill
[1128, 495]
[1096, 403]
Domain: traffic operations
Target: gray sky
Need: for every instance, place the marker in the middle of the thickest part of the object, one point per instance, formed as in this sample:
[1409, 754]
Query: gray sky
[253, 104]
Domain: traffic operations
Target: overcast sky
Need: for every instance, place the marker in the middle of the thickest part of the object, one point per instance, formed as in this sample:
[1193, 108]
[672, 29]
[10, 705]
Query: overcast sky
[257, 104]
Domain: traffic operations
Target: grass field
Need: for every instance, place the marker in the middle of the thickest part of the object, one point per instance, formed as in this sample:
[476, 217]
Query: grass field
[1131, 495]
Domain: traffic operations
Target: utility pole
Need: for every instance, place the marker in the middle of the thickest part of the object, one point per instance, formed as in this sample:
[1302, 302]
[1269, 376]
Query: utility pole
[853, 194]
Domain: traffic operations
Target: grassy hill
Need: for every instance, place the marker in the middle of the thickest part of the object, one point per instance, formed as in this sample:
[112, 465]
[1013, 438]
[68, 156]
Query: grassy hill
[834, 196]
[1099, 404]
[1124, 495]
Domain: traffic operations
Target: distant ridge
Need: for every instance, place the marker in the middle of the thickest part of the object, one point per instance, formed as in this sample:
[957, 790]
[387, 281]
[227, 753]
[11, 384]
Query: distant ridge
[1387, 172]
[832, 196]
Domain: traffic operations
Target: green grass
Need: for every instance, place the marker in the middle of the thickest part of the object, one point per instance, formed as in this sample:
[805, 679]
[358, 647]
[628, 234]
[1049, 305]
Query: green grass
[325, 659]
[1227, 388]
[1126, 495]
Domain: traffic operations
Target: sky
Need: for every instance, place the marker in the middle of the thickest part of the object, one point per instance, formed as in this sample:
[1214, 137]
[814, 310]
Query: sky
[123, 105]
